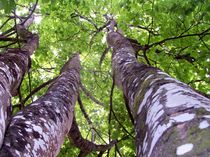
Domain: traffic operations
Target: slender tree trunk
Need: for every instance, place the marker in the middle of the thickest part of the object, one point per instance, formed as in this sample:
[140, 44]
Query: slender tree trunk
[39, 129]
[171, 119]
[13, 65]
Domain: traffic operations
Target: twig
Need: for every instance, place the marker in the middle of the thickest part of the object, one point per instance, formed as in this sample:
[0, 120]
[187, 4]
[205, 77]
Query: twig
[118, 151]
[31, 13]
[98, 30]
[38, 89]
[205, 44]
[77, 14]
[122, 125]
[111, 95]
[29, 83]
[110, 110]
[145, 57]
[100, 154]
[194, 81]
[103, 55]
[21, 105]
[10, 18]
[17, 35]
[89, 95]
[5, 46]
[128, 109]
[10, 34]
[147, 29]
[84, 112]
[87, 118]
[149, 37]
[3, 38]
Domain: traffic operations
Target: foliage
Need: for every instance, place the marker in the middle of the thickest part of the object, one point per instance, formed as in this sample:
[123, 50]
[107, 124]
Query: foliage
[7, 5]
[77, 25]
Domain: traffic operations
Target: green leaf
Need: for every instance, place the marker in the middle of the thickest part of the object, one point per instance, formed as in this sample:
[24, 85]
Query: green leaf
[7, 5]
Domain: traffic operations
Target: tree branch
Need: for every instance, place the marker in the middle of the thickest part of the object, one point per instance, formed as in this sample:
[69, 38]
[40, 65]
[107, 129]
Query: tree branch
[84, 145]
[87, 117]
[151, 31]
[38, 89]
[77, 14]
[10, 18]
[180, 36]
[89, 95]
[27, 22]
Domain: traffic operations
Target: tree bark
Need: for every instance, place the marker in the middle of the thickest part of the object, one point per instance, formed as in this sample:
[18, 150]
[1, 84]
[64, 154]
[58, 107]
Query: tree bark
[171, 119]
[13, 65]
[40, 128]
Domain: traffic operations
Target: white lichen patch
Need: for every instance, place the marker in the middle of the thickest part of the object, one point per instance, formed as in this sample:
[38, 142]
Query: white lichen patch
[28, 147]
[35, 104]
[204, 124]
[158, 132]
[154, 113]
[135, 80]
[145, 143]
[7, 73]
[42, 119]
[45, 137]
[175, 96]
[27, 122]
[47, 102]
[19, 117]
[146, 96]
[17, 152]
[181, 150]
[28, 129]
[162, 73]
[18, 71]
[148, 77]
[178, 95]
[206, 116]
[38, 144]
[37, 128]
[57, 110]
[2, 124]
[183, 117]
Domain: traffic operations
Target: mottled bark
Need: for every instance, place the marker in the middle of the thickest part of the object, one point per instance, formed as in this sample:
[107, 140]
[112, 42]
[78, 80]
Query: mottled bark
[13, 65]
[171, 119]
[40, 128]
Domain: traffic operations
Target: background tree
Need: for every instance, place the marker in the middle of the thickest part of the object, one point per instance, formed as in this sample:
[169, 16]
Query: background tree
[40, 128]
[174, 36]
[14, 63]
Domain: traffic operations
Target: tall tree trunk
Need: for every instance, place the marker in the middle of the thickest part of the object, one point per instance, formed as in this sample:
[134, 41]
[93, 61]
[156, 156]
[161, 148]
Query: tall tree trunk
[13, 65]
[40, 128]
[171, 119]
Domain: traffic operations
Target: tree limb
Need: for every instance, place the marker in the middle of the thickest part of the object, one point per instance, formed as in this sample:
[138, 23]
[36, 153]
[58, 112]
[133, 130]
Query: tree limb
[89, 95]
[84, 145]
[205, 32]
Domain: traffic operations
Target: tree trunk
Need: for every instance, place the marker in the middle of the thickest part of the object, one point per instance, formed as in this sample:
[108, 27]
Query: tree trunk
[171, 119]
[13, 65]
[40, 128]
